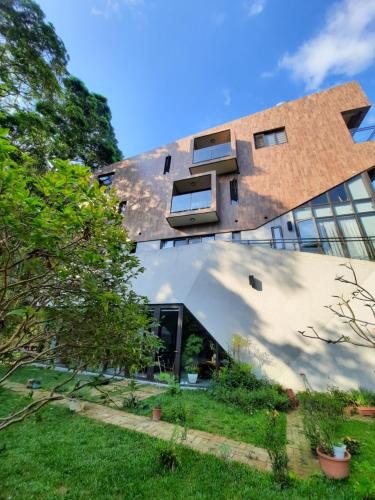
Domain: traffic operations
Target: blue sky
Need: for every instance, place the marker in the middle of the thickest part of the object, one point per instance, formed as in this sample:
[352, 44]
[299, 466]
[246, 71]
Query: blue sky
[171, 68]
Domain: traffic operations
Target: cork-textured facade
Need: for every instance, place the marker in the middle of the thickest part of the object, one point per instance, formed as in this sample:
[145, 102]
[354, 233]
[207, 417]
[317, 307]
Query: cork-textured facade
[319, 154]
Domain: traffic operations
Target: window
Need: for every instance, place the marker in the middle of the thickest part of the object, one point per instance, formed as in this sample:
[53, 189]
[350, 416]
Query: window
[270, 138]
[338, 194]
[236, 236]
[167, 164]
[106, 180]
[372, 178]
[320, 200]
[277, 237]
[357, 188]
[233, 186]
[178, 242]
[122, 207]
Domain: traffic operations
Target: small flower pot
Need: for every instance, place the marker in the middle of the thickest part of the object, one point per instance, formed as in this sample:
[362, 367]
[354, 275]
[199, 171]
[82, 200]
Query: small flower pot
[366, 411]
[192, 378]
[156, 414]
[334, 468]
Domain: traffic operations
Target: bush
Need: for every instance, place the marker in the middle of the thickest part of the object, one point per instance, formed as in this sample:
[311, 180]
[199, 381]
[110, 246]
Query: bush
[236, 384]
[322, 414]
[362, 397]
[352, 445]
[275, 446]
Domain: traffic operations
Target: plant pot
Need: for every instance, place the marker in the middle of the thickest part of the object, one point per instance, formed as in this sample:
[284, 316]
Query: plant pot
[192, 378]
[156, 414]
[36, 384]
[339, 451]
[366, 411]
[334, 468]
[350, 410]
[76, 405]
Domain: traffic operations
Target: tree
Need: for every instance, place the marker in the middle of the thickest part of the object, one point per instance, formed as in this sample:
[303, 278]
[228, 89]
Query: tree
[65, 276]
[81, 123]
[33, 59]
[362, 324]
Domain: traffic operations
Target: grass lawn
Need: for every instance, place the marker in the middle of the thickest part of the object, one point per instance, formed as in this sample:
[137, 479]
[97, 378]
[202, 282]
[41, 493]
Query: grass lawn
[63, 455]
[205, 414]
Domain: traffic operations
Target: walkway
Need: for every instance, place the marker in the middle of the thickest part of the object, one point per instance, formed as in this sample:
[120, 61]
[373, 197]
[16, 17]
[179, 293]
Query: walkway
[301, 460]
[203, 442]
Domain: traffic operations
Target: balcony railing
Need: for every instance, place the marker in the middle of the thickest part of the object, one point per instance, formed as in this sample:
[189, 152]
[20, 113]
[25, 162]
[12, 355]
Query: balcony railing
[359, 248]
[212, 152]
[191, 201]
[363, 134]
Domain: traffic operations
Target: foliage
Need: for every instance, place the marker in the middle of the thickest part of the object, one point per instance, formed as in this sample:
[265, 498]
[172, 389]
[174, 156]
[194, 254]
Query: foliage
[275, 446]
[356, 311]
[193, 347]
[352, 445]
[364, 485]
[66, 455]
[131, 401]
[238, 343]
[362, 397]
[322, 415]
[65, 272]
[169, 456]
[207, 414]
[49, 114]
[236, 384]
[33, 59]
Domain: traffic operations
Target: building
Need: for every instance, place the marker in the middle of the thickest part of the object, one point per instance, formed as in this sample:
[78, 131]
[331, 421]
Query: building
[242, 229]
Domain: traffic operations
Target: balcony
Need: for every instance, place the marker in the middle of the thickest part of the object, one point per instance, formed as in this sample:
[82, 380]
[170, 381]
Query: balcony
[193, 201]
[214, 152]
[363, 134]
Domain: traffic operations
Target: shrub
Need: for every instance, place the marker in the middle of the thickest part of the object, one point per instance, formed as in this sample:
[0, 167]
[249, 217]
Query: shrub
[322, 414]
[362, 397]
[236, 384]
[352, 445]
[275, 446]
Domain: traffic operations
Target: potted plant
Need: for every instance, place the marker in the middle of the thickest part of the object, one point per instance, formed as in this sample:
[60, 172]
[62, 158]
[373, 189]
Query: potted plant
[365, 403]
[156, 411]
[334, 459]
[193, 347]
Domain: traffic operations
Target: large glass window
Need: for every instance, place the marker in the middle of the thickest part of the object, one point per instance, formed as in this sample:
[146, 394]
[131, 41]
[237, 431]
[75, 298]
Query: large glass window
[341, 218]
[191, 201]
[270, 138]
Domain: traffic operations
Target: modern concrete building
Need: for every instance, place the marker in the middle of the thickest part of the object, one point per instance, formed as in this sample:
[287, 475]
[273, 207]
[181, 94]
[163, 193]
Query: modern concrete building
[242, 229]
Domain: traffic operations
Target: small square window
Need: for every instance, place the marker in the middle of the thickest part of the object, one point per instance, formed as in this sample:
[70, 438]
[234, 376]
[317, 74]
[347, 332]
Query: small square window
[270, 138]
[106, 180]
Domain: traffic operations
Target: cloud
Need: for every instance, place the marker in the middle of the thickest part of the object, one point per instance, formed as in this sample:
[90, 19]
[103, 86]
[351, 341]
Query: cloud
[227, 97]
[345, 46]
[110, 8]
[267, 74]
[254, 7]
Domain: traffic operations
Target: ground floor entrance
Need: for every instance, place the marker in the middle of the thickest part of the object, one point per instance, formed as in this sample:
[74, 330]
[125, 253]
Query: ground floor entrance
[187, 346]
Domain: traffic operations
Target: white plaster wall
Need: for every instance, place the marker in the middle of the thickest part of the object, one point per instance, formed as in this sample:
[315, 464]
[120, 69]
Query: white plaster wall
[212, 280]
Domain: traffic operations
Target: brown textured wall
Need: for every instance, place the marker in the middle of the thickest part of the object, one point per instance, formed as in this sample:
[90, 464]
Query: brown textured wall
[320, 153]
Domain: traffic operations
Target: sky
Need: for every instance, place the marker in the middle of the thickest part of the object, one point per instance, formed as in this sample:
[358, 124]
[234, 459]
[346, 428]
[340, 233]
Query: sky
[171, 68]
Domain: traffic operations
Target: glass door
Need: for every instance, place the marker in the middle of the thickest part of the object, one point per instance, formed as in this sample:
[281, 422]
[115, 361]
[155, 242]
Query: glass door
[351, 231]
[328, 232]
[168, 325]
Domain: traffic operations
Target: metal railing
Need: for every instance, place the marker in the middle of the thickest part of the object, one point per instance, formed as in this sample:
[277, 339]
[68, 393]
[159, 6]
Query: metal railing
[212, 152]
[363, 134]
[339, 247]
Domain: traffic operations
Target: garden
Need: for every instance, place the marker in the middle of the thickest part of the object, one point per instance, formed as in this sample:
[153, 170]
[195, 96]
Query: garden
[62, 453]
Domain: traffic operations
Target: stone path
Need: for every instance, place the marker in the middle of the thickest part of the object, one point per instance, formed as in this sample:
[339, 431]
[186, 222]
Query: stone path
[203, 442]
[301, 459]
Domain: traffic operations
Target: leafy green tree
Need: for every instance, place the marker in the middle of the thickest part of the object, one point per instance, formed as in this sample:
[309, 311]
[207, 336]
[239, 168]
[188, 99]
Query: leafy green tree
[66, 270]
[33, 59]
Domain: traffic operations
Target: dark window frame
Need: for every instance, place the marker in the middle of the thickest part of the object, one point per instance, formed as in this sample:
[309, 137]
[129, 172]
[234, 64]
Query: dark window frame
[233, 189]
[167, 164]
[259, 142]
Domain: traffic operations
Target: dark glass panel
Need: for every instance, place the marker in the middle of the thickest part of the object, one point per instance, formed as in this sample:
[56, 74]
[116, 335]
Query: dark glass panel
[338, 194]
[320, 200]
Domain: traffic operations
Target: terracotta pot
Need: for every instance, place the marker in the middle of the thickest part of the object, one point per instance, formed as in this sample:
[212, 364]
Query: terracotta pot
[156, 414]
[334, 468]
[350, 410]
[366, 411]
